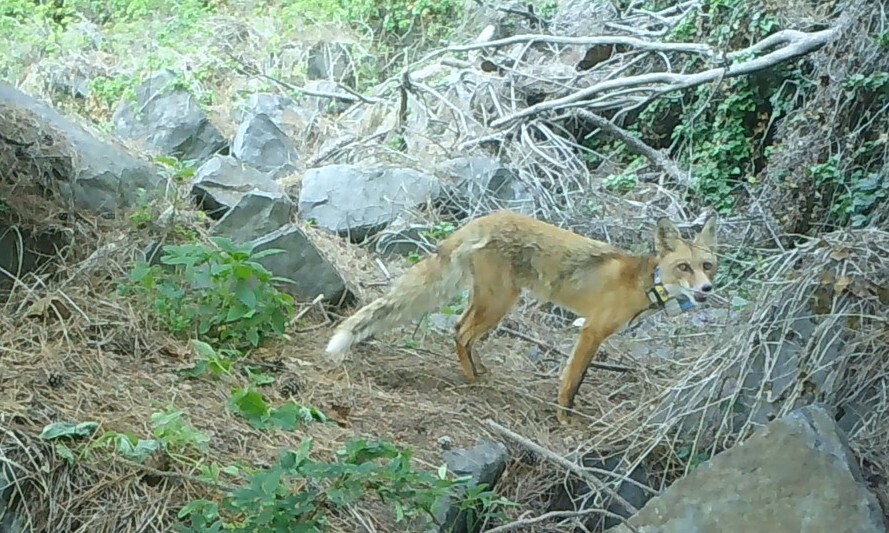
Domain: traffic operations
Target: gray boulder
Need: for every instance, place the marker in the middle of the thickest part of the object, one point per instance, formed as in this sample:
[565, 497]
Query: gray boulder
[10, 521]
[104, 177]
[359, 201]
[260, 143]
[220, 183]
[485, 463]
[168, 119]
[256, 214]
[576, 494]
[795, 475]
[312, 274]
[293, 119]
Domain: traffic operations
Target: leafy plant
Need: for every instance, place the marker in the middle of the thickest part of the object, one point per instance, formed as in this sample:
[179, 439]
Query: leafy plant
[250, 404]
[220, 295]
[298, 494]
[855, 193]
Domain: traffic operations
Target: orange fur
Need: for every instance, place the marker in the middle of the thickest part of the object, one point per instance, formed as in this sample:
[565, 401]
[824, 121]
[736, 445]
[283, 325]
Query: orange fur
[501, 254]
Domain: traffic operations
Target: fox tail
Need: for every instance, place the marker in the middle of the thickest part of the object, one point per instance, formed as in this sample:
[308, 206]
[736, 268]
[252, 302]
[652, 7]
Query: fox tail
[433, 280]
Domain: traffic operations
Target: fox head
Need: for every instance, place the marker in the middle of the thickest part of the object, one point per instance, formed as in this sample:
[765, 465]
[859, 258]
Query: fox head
[686, 267]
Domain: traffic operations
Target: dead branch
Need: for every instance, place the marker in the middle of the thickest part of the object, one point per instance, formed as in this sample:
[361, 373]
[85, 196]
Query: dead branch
[560, 461]
[349, 96]
[661, 83]
[534, 38]
[548, 346]
[657, 157]
[522, 523]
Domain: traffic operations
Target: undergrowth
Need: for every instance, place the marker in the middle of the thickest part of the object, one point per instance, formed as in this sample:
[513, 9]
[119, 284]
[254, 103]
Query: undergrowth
[219, 297]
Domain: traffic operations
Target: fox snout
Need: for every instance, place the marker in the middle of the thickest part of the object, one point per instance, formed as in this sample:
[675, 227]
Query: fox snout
[700, 294]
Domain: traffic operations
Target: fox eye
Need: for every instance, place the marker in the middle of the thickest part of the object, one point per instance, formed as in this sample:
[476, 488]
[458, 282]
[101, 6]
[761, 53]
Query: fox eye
[684, 267]
[708, 266]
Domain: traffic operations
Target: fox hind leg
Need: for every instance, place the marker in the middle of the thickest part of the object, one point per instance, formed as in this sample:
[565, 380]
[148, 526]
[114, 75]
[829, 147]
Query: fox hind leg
[489, 301]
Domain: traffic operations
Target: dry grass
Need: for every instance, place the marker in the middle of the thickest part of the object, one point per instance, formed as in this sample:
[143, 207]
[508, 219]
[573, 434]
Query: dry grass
[72, 350]
[817, 332]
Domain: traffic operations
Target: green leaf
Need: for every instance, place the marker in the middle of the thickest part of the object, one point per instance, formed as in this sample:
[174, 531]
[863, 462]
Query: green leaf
[142, 448]
[140, 272]
[165, 419]
[236, 312]
[246, 295]
[58, 430]
[167, 161]
[64, 452]
[259, 378]
[250, 405]
[286, 416]
[203, 349]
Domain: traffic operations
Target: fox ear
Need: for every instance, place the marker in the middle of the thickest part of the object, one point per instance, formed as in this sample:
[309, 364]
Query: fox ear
[666, 237]
[707, 237]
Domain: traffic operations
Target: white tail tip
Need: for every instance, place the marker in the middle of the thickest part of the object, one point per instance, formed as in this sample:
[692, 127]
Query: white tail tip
[338, 345]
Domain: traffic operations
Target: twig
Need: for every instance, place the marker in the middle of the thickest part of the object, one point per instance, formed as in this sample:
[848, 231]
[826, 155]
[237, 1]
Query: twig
[552, 515]
[799, 44]
[532, 38]
[550, 347]
[634, 143]
[564, 463]
[305, 310]
[219, 485]
[351, 96]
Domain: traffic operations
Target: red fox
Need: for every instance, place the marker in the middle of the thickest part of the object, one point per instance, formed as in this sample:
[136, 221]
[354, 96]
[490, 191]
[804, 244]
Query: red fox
[500, 254]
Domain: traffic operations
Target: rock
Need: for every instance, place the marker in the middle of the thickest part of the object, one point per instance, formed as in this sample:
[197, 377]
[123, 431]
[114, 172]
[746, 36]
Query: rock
[301, 262]
[485, 462]
[576, 494]
[331, 61]
[62, 77]
[220, 183]
[10, 521]
[779, 369]
[294, 120]
[169, 120]
[23, 251]
[256, 214]
[359, 201]
[486, 185]
[795, 475]
[105, 177]
[264, 146]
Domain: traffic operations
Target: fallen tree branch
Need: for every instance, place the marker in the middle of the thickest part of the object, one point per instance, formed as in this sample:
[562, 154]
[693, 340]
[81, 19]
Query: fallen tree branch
[661, 83]
[657, 157]
[579, 471]
[548, 346]
[532, 38]
[522, 523]
[349, 96]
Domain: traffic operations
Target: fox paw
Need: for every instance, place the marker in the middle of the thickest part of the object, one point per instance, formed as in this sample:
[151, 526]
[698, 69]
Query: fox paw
[566, 419]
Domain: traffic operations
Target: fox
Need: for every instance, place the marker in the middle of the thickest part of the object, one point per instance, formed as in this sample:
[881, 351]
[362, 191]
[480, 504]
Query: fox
[499, 255]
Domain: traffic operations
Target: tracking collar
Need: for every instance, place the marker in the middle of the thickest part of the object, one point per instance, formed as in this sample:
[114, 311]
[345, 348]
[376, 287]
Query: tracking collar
[660, 297]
